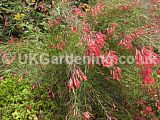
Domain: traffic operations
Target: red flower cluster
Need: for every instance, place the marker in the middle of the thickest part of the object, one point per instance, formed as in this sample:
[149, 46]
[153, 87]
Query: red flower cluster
[147, 110]
[110, 59]
[50, 94]
[146, 75]
[157, 105]
[86, 115]
[77, 11]
[11, 41]
[146, 57]
[116, 73]
[86, 28]
[156, 1]
[127, 41]
[100, 39]
[74, 28]
[95, 43]
[123, 7]
[111, 30]
[76, 77]
[98, 9]
[59, 46]
[144, 30]
[1, 78]
[158, 72]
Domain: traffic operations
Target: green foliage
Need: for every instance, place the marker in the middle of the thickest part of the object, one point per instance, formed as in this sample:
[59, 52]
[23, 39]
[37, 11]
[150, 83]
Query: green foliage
[15, 97]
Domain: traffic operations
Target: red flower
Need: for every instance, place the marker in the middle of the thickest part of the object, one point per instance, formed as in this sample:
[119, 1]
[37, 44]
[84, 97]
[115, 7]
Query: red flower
[53, 46]
[146, 75]
[100, 39]
[142, 118]
[57, 46]
[138, 57]
[95, 43]
[76, 83]
[149, 56]
[97, 9]
[158, 107]
[86, 28]
[114, 25]
[81, 75]
[116, 73]
[62, 44]
[50, 94]
[11, 41]
[142, 102]
[86, 115]
[78, 11]
[109, 60]
[148, 109]
[1, 78]
[120, 43]
[70, 85]
[93, 50]
[124, 7]
[151, 91]
[146, 57]
[156, 1]
[111, 31]
[74, 29]
[146, 72]
[158, 72]
[84, 77]
[106, 62]
[148, 80]
[144, 112]
[127, 41]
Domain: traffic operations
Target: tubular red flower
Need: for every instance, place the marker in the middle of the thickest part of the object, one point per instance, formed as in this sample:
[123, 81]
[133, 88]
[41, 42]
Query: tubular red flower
[76, 83]
[158, 72]
[146, 75]
[74, 28]
[158, 107]
[109, 60]
[146, 57]
[100, 39]
[82, 75]
[78, 11]
[123, 7]
[148, 80]
[70, 85]
[116, 73]
[148, 109]
[86, 115]
[98, 9]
